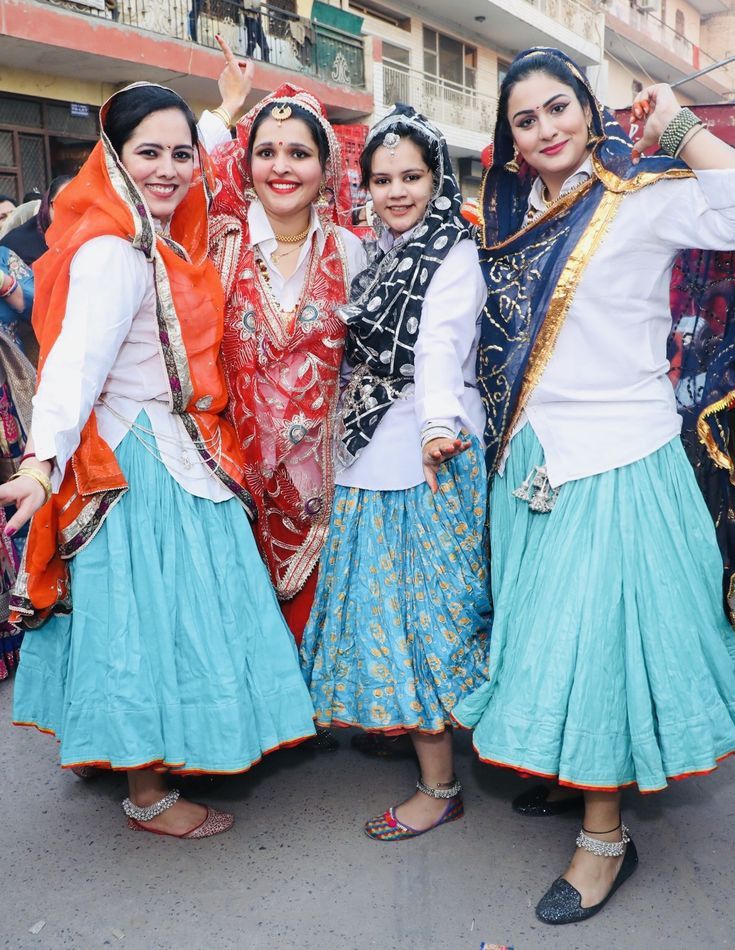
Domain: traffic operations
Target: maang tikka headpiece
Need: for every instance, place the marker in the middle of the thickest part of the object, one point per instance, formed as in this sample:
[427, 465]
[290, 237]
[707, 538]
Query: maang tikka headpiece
[281, 112]
[391, 141]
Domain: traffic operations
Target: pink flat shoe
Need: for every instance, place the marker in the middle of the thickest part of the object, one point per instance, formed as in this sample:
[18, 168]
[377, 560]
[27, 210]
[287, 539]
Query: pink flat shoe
[215, 822]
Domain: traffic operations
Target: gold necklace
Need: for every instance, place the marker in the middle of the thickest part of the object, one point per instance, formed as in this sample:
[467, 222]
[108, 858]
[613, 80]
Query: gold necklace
[292, 238]
[277, 255]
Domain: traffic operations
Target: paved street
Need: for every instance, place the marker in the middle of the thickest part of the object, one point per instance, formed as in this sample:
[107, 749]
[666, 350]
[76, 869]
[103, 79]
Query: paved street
[296, 872]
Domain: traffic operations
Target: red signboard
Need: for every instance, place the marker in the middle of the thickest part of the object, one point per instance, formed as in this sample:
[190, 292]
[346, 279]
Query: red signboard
[718, 118]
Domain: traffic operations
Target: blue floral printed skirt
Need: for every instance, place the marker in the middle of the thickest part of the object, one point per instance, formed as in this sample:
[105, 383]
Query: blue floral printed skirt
[611, 660]
[400, 625]
[175, 654]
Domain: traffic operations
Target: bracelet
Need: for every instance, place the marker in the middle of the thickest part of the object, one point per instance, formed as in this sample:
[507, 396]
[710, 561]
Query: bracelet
[43, 480]
[224, 115]
[673, 135]
[8, 286]
[688, 137]
[28, 455]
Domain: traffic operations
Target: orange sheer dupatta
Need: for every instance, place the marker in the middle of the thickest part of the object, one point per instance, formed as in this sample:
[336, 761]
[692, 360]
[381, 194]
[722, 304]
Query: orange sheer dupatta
[103, 200]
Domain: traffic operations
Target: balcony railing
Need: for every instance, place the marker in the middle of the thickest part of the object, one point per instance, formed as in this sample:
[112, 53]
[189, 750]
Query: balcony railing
[647, 22]
[577, 16]
[438, 99]
[266, 33]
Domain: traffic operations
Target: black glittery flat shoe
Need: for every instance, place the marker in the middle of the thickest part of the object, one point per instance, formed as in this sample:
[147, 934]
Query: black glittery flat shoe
[324, 741]
[534, 803]
[562, 903]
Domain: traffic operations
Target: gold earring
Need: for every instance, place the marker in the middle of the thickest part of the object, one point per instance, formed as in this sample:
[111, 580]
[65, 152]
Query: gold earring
[513, 166]
[592, 137]
[322, 200]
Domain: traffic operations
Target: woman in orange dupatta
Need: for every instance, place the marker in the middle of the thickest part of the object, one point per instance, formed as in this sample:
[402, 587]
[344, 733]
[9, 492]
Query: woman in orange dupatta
[162, 647]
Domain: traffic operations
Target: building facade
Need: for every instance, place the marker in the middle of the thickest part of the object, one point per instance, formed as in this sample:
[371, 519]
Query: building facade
[60, 61]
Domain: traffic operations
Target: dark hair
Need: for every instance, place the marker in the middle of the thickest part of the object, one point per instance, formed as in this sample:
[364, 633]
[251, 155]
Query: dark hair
[525, 66]
[128, 109]
[297, 112]
[33, 195]
[44, 211]
[404, 131]
[8, 198]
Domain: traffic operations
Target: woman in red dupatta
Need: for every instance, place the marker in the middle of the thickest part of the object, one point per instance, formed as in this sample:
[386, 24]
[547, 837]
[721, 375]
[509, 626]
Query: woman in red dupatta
[286, 264]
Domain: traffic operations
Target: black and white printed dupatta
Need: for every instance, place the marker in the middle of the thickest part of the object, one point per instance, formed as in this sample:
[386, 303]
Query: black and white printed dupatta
[387, 298]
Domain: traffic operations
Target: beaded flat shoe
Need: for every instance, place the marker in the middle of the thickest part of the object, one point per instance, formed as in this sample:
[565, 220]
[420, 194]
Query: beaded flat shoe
[535, 804]
[562, 903]
[388, 828]
[214, 823]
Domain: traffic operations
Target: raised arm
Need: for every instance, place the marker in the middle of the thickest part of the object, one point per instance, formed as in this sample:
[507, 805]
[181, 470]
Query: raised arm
[657, 107]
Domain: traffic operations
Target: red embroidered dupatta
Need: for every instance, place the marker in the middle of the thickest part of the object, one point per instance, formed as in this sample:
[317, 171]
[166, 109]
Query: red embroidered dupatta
[283, 379]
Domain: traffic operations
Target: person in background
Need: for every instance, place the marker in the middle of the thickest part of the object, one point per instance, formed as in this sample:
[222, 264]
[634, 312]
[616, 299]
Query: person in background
[29, 240]
[7, 205]
[16, 294]
[17, 385]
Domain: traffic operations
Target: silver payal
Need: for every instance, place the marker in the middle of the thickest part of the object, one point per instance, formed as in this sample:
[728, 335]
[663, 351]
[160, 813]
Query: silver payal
[152, 811]
[603, 849]
[433, 792]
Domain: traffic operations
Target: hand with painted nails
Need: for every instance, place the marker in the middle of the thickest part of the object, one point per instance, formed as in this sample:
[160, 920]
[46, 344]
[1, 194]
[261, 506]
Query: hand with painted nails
[655, 106]
[235, 81]
[435, 453]
[27, 494]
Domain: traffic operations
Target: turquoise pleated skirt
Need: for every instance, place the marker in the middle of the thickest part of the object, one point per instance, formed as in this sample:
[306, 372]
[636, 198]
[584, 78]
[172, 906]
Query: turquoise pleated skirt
[401, 617]
[176, 653]
[611, 660]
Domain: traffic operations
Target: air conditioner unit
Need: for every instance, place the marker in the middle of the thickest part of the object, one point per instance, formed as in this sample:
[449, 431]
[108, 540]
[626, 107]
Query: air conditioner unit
[649, 6]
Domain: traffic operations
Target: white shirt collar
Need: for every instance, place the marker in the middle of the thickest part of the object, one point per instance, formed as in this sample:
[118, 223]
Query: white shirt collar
[387, 239]
[535, 199]
[261, 230]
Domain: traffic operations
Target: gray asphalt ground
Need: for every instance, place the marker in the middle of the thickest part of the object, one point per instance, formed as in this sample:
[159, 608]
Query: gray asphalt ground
[296, 871]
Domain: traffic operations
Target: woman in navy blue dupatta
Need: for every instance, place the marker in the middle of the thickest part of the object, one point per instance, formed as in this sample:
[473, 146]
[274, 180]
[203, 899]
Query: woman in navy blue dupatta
[612, 662]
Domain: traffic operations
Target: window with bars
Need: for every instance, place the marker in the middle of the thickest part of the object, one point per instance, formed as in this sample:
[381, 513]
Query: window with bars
[40, 139]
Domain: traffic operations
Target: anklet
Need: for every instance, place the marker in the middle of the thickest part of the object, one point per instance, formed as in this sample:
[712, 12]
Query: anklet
[433, 792]
[152, 811]
[588, 832]
[603, 849]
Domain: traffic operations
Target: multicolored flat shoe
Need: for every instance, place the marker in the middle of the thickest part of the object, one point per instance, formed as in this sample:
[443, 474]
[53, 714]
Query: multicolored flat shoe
[215, 822]
[388, 828]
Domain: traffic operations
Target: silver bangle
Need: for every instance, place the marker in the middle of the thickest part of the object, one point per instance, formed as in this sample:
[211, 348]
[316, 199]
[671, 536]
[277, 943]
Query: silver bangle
[152, 811]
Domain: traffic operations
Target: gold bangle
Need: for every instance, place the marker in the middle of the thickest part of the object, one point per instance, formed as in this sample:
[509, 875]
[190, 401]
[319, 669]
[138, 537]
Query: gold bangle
[38, 476]
[224, 115]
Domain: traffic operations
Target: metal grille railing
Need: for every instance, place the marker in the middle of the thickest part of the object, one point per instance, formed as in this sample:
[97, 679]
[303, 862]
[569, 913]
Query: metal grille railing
[438, 99]
[260, 31]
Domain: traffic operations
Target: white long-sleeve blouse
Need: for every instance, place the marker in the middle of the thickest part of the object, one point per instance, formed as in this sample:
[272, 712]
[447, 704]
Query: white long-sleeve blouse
[604, 399]
[444, 393]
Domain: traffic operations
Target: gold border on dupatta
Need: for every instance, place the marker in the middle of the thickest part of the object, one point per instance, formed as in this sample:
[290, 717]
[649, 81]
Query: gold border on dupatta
[704, 432]
[561, 301]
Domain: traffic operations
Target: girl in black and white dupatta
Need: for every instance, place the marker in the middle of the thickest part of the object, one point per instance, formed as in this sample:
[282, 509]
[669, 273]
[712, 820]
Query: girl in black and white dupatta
[400, 622]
